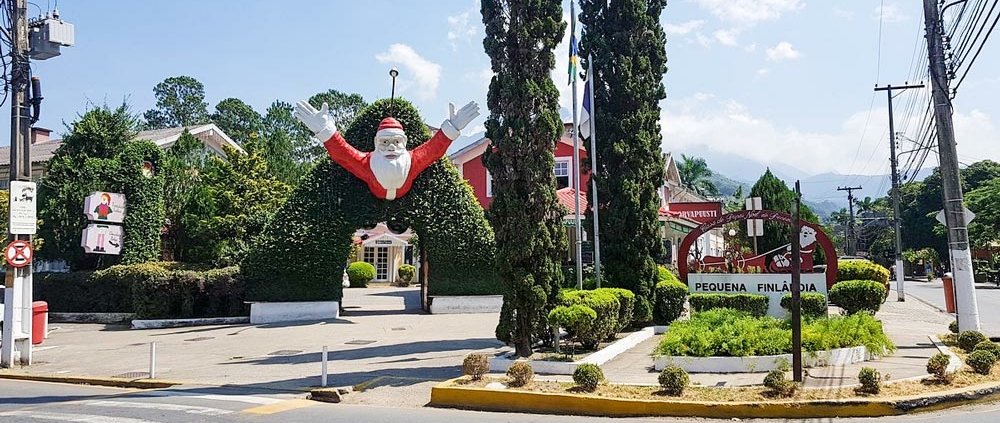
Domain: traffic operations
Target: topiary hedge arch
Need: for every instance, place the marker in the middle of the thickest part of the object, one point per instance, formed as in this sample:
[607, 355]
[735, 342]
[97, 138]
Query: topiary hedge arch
[303, 251]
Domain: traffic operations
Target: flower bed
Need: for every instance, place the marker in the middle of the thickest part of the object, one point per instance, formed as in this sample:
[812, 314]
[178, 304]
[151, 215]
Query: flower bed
[599, 357]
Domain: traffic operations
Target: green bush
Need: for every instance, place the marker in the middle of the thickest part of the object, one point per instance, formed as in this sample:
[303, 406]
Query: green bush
[855, 296]
[673, 380]
[937, 365]
[988, 345]
[360, 273]
[755, 304]
[969, 339]
[605, 304]
[520, 374]
[726, 332]
[476, 365]
[953, 327]
[981, 361]
[862, 270]
[779, 385]
[666, 275]
[405, 274]
[576, 319]
[871, 381]
[627, 303]
[587, 376]
[813, 304]
[670, 298]
[80, 292]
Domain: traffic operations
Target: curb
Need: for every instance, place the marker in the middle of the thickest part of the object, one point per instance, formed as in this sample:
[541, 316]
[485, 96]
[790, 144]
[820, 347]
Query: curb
[449, 395]
[331, 395]
[98, 381]
[180, 323]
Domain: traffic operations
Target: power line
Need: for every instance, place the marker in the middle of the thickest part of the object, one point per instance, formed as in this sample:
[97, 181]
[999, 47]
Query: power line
[979, 50]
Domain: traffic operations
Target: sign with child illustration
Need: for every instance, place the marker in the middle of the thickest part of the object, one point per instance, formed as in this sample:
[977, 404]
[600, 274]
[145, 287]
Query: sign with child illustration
[106, 211]
[767, 273]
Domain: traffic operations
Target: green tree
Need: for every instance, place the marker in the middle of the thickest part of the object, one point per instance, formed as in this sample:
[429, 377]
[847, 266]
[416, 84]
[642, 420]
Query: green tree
[983, 202]
[775, 195]
[183, 193]
[180, 101]
[238, 120]
[523, 127]
[285, 144]
[627, 43]
[343, 107]
[694, 175]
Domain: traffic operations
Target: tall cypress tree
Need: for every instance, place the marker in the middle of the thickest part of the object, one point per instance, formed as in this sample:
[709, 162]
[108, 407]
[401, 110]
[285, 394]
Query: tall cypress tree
[627, 44]
[524, 127]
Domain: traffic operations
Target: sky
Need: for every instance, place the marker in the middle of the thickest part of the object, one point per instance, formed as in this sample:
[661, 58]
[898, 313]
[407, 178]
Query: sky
[751, 83]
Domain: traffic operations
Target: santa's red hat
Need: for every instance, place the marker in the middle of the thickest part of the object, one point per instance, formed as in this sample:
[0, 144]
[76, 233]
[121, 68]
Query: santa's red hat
[389, 127]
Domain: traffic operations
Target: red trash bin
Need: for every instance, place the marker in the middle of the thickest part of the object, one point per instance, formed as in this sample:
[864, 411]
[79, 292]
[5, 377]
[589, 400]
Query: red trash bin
[39, 321]
[949, 294]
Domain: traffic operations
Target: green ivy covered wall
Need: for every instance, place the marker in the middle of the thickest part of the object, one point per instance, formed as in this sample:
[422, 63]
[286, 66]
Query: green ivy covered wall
[303, 252]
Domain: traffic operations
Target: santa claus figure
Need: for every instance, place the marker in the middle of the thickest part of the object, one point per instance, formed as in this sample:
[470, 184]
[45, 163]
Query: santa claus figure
[390, 170]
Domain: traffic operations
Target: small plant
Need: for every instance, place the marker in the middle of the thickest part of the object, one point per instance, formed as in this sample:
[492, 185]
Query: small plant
[476, 365]
[673, 380]
[969, 339]
[938, 366]
[360, 274]
[990, 346]
[981, 361]
[520, 374]
[588, 376]
[871, 381]
[779, 385]
[858, 296]
[405, 274]
[953, 327]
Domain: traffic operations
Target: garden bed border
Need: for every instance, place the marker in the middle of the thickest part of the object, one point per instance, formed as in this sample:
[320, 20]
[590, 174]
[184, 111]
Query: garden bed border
[599, 357]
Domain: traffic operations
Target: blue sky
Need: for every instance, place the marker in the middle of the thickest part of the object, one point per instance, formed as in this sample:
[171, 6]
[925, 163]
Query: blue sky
[785, 83]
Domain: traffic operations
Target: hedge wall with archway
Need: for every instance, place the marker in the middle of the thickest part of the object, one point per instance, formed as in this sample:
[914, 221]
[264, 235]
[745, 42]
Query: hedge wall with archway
[303, 251]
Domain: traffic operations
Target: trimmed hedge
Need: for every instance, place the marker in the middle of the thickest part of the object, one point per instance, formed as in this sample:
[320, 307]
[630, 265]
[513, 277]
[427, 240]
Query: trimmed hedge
[79, 292]
[755, 304]
[856, 296]
[862, 270]
[670, 298]
[360, 273]
[626, 309]
[813, 304]
[575, 318]
[607, 307]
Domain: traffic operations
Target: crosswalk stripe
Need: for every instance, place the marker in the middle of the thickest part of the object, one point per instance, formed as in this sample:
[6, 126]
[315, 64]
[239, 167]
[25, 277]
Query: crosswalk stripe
[249, 399]
[190, 409]
[78, 418]
[281, 407]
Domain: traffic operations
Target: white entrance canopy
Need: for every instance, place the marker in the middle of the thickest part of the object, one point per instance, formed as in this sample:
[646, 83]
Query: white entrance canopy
[384, 240]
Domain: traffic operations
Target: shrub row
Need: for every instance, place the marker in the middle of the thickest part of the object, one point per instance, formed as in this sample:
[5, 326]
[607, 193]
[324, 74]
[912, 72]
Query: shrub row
[610, 306]
[813, 304]
[150, 290]
[754, 304]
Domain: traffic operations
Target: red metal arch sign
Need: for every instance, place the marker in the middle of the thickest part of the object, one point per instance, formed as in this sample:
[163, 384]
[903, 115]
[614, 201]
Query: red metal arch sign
[824, 242]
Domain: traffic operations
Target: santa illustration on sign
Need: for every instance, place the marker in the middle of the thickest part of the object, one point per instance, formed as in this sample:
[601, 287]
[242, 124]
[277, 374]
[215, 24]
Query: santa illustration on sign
[390, 170]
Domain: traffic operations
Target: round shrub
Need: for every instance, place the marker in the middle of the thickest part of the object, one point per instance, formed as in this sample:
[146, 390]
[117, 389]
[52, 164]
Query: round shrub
[938, 366]
[990, 346]
[405, 274]
[576, 319]
[862, 270]
[588, 376]
[520, 374]
[605, 304]
[627, 303]
[779, 386]
[953, 327]
[981, 361]
[670, 297]
[476, 365]
[813, 304]
[969, 339]
[871, 381]
[673, 380]
[360, 274]
[857, 296]
[666, 275]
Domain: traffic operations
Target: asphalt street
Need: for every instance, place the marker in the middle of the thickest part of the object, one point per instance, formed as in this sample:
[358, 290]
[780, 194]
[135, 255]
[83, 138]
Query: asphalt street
[30, 402]
[987, 295]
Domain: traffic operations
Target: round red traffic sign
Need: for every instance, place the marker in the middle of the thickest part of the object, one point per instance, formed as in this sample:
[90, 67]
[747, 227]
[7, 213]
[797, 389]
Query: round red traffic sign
[18, 253]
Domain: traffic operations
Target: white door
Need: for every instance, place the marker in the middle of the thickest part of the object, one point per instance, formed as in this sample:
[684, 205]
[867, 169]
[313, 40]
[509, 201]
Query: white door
[382, 263]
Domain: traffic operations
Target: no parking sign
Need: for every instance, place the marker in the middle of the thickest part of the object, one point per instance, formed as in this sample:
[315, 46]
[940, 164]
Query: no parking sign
[18, 253]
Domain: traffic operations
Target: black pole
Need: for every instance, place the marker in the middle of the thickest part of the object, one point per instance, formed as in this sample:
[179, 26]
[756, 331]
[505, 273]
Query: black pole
[392, 97]
[796, 288]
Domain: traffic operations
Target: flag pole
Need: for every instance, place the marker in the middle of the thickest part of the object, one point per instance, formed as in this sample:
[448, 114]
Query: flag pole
[593, 171]
[575, 168]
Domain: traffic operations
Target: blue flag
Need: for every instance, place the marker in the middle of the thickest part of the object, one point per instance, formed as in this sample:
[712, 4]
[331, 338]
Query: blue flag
[587, 113]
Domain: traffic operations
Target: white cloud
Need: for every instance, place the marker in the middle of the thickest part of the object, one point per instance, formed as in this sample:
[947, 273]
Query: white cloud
[703, 40]
[683, 28]
[749, 12]
[425, 74]
[763, 71]
[890, 13]
[727, 37]
[460, 29]
[750, 48]
[782, 51]
[481, 78]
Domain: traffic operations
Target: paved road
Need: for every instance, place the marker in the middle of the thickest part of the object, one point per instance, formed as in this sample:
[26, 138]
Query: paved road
[988, 296]
[31, 402]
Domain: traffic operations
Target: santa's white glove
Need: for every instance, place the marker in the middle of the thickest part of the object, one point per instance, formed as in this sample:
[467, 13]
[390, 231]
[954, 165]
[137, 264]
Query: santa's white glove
[318, 121]
[457, 121]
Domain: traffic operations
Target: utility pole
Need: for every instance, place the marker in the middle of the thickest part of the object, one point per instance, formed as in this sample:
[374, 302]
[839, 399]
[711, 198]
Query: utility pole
[18, 287]
[954, 208]
[900, 296]
[851, 235]
[796, 283]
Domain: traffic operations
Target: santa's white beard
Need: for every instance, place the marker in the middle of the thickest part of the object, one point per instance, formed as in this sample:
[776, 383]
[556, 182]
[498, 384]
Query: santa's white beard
[391, 174]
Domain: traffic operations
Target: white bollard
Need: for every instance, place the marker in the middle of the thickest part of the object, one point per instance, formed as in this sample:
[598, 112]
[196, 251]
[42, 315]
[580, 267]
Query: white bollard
[152, 360]
[323, 379]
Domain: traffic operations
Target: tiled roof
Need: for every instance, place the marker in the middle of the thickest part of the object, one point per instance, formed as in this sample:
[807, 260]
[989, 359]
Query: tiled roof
[567, 196]
[40, 152]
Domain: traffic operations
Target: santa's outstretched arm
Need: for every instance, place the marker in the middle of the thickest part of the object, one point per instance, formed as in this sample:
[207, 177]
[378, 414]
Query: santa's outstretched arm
[428, 152]
[320, 122]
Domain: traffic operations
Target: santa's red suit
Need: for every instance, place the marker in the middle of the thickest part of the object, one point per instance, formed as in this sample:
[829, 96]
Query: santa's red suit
[360, 163]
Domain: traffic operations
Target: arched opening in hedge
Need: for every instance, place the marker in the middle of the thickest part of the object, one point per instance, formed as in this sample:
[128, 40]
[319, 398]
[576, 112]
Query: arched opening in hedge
[304, 249]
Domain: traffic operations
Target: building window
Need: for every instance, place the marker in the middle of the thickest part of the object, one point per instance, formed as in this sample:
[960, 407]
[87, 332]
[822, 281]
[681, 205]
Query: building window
[562, 174]
[369, 256]
[382, 264]
[489, 185]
